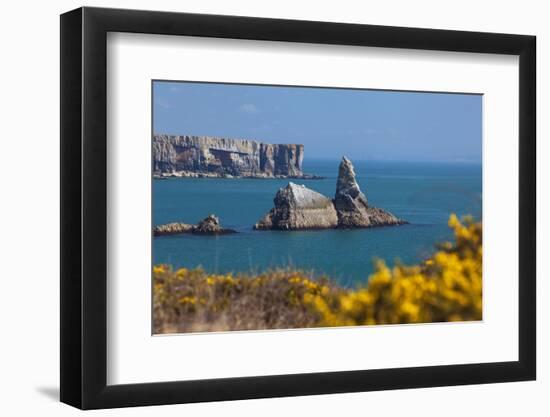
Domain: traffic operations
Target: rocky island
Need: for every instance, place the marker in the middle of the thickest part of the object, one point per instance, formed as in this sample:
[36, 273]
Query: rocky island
[299, 208]
[206, 156]
[208, 226]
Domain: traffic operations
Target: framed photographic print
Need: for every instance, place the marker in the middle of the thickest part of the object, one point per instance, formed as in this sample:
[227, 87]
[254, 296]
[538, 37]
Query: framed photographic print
[257, 207]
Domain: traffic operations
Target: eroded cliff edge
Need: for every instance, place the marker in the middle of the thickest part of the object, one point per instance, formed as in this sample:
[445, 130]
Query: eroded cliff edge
[206, 156]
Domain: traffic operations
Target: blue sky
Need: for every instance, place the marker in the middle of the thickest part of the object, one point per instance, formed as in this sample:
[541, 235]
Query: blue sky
[362, 124]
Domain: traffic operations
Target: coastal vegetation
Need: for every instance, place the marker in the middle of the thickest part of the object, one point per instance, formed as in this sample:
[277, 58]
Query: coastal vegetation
[445, 287]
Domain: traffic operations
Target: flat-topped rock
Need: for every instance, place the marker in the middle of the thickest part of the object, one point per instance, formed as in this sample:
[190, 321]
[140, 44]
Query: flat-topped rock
[298, 207]
[172, 229]
[208, 226]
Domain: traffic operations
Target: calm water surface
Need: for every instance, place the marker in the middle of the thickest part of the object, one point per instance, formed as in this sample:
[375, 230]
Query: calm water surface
[425, 194]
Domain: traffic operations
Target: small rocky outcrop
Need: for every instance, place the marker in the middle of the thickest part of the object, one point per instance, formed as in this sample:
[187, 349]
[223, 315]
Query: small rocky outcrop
[211, 226]
[297, 207]
[378, 217]
[208, 226]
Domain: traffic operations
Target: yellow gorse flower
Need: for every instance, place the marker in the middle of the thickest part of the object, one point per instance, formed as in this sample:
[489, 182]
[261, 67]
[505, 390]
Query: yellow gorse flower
[445, 287]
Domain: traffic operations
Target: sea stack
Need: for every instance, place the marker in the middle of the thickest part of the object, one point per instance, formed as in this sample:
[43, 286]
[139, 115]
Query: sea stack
[352, 205]
[297, 207]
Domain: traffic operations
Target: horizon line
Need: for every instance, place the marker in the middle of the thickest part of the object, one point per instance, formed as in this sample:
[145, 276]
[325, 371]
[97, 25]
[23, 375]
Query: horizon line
[446, 161]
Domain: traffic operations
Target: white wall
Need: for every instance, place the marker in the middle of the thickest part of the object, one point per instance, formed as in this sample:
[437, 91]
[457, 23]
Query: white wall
[29, 222]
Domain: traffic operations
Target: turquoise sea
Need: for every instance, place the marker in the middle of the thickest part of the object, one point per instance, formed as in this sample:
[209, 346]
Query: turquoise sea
[425, 194]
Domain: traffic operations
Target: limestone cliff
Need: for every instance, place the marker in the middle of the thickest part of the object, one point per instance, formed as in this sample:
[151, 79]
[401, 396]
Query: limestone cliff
[190, 156]
[298, 207]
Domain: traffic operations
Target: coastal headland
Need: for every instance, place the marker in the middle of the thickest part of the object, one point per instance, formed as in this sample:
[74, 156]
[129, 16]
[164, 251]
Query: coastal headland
[188, 156]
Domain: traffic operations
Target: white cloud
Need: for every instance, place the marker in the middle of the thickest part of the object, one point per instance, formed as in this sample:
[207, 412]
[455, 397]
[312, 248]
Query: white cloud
[163, 103]
[248, 108]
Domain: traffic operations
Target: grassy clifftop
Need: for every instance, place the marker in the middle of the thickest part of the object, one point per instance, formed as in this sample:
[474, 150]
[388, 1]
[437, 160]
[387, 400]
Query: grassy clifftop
[445, 287]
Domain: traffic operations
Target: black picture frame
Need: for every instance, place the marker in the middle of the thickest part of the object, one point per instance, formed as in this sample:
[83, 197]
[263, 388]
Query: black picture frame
[84, 207]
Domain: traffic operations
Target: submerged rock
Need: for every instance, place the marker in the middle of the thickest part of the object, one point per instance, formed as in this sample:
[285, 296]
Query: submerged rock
[352, 205]
[208, 226]
[297, 207]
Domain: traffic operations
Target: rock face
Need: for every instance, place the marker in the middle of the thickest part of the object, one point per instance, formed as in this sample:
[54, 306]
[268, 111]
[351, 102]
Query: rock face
[208, 226]
[352, 205]
[349, 201]
[189, 156]
[298, 207]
